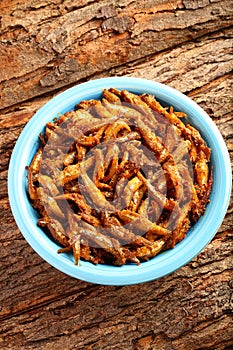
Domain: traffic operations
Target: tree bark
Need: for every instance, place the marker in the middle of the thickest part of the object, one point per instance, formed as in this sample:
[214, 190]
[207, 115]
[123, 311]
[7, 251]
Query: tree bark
[50, 46]
[47, 46]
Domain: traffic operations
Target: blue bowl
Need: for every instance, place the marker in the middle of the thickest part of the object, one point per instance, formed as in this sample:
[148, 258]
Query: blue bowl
[165, 263]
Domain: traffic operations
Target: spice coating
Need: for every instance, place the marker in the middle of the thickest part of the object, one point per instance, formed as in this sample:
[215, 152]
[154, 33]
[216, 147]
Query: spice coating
[119, 179]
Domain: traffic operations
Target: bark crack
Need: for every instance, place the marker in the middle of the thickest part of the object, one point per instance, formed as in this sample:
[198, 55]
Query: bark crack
[91, 289]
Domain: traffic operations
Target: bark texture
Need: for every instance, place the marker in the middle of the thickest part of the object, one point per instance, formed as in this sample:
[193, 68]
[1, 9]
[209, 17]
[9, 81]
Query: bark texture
[47, 46]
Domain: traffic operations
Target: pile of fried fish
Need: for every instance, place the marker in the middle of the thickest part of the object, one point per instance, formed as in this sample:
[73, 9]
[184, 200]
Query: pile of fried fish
[119, 179]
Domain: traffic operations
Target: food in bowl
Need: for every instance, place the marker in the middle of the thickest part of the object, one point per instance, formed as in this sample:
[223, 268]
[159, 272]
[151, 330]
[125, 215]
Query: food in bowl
[119, 179]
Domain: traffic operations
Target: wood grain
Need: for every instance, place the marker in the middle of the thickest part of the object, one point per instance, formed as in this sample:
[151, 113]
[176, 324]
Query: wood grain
[47, 46]
[68, 44]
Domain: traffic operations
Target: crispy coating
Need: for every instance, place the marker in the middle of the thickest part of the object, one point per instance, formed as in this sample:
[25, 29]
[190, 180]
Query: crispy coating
[120, 179]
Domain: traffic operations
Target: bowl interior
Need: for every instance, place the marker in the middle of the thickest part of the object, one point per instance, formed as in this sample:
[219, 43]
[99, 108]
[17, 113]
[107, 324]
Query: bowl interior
[198, 236]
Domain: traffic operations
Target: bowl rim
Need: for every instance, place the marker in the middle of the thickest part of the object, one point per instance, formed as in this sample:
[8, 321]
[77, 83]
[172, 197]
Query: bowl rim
[166, 262]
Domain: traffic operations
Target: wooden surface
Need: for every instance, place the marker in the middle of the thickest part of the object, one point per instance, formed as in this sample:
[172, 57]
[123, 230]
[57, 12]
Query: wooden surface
[47, 46]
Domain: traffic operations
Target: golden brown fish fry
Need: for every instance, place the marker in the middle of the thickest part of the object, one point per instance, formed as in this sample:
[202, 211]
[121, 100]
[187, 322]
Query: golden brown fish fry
[102, 111]
[131, 187]
[86, 104]
[143, 205]
[111, 161]
[81, 152]
[98, 172]
[140, 105]
[78, 199]
[48, 185]
[182, 150]
[69, 158]
[111, 245]
[33, 172]
[74, 237]
[144, 253]
[36, 161]
[158, 196]
[91, 219]
[115, 92]
[51, 206]
[112, 130]
[141, 223]
[156, 106]
[56, 229]
[153, 142]
[202, 170]
[111, 96]
[136, 202]
[69, 173]
[95, 194]
[121, 111]
[91, 141]
[133, 195]
[182, 225]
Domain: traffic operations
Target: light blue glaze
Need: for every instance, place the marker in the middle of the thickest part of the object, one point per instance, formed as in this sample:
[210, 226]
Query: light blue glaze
[197, 238]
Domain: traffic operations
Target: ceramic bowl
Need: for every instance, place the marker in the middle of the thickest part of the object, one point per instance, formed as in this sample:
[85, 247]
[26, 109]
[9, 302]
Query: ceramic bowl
[165, 263]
